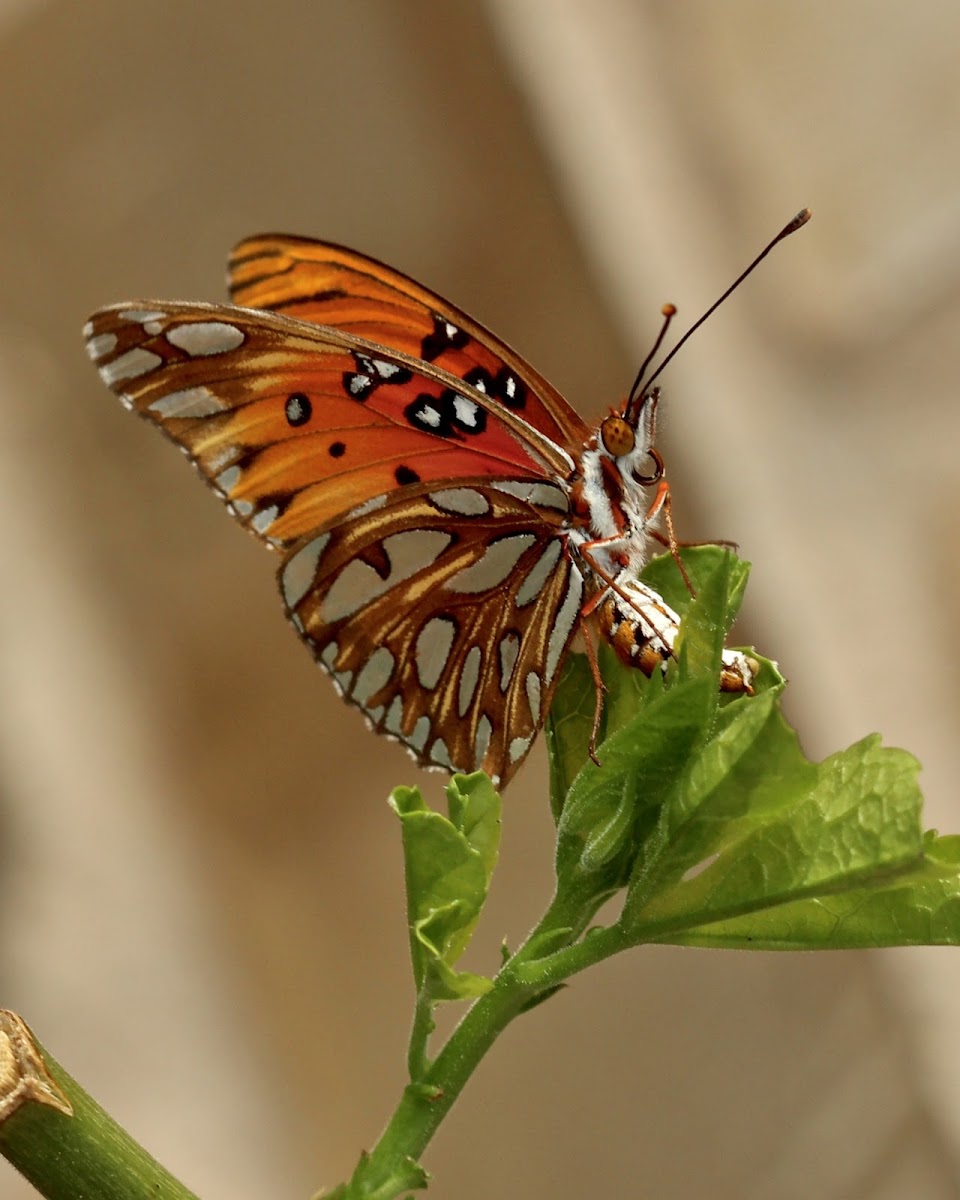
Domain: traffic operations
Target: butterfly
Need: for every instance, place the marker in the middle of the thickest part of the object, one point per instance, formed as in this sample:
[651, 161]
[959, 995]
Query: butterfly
[446, 522]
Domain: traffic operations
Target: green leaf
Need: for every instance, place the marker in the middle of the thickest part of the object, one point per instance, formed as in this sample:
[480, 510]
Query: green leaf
[474, 807]
[655, 729]
[448, 864]
[701, 562]
[710, 813]
[776, 828]
[598, 826]
[568, 727]
[916, 906]
[708, 616]
[730, 780]
[719, 578]
[627, 693]
[432, 936]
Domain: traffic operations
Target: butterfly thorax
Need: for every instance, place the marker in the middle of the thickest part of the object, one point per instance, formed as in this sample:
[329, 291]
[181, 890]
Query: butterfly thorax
[611, 506]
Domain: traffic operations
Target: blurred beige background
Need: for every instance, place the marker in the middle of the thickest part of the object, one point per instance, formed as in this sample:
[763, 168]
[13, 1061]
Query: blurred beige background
[200, 897]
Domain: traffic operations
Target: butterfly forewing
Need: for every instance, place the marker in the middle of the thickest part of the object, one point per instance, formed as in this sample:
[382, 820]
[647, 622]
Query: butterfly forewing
[292, 423]
[443, 612]
[331, 285]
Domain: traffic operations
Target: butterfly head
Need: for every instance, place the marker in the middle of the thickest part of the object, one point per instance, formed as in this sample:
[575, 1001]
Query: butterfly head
[628, 438]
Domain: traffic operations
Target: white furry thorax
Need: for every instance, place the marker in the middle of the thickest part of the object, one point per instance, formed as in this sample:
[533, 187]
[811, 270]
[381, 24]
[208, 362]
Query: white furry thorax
[616, 504]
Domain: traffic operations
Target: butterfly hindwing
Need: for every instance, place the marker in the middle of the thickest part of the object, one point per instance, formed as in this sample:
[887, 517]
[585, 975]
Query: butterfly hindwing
[331, 285]
[292, 423]
[443, 611]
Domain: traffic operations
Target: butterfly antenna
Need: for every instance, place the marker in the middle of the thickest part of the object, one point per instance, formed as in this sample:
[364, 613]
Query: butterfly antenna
[669, 311]
[640, 388]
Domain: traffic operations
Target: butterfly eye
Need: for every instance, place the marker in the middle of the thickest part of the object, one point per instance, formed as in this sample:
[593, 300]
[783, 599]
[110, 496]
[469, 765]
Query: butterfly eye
[617, 436]
[658, 468]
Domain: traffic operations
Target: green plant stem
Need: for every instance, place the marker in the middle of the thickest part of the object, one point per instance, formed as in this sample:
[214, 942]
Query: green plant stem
[385, 1171]
[84, 1153]
[423, 1026]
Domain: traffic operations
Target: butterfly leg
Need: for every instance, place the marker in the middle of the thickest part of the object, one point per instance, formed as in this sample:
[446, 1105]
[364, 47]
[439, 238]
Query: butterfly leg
[661, 504]
[599, 686]
[612, 583]
[724, 543]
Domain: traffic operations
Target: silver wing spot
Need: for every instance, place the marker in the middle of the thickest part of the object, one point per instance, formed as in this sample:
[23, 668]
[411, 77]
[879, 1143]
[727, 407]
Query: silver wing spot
[101, 345]
[433, 650]
[509, 651]
[299, 571]
[200, 339]
[519, 746]
[466, 410]
[421, 731]
[539, 573]
[548, 495]
[494, 566]
[464, 501]
[533, 695]
[359, 384]
[140, 316]
[394, 717]
[132, 365]
[342, 681]
[265, 518]
[482, 741]
[567, 614]
[441, 755]
[469, 678]
[358, 583]
[386, 370]
[368, 506]
[374, 674]
[429, 416]
[217, 462]
[226, 480]
[191, 402]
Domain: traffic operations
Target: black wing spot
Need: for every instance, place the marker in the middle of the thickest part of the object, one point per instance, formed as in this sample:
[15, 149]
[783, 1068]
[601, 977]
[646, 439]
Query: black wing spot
[372, 373]
[298, 409]
[337, 449]
[385, 371]
[511, 390]
[482, 380]
[448, 415]
[430, 414]
[445, 336]
[357, 385]
[405, 475]
[504, 386]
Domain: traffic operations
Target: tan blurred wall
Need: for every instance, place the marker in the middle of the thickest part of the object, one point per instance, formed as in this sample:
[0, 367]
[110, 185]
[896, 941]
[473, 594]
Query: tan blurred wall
[201, 906]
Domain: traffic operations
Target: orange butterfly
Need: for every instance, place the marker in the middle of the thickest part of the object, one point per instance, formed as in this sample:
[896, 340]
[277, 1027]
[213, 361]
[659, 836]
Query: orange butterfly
[447, 523]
